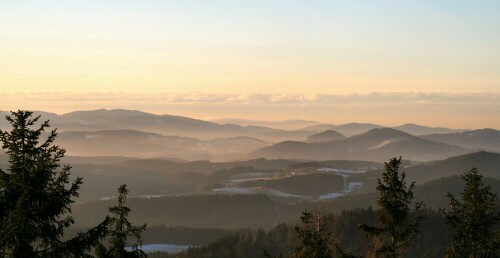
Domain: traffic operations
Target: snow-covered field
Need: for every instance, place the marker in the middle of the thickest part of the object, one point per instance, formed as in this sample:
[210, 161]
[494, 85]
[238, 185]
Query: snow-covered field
[169, 248]
[258, 190]
[252, 177]
[350, 187]
[341, 172]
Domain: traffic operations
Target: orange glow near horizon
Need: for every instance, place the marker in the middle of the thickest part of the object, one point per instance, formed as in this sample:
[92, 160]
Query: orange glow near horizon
[68, 48]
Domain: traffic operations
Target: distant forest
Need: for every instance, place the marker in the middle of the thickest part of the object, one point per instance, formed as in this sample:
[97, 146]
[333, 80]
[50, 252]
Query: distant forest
[468, 228]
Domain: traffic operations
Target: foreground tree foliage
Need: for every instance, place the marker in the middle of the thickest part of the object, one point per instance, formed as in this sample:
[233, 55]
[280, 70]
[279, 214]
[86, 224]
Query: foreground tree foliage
[398, 223]
[473, 222]
[36, 195]
[120, 229]
[315, 235]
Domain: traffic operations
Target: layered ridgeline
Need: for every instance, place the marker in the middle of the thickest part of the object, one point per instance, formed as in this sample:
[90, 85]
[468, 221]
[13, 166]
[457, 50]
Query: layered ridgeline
[351, 129]
[142, 135]
[96, 120]
[138, 144]
[376, 144]
[119, 119]
[326, 136]
[283, 180]
[487, 139]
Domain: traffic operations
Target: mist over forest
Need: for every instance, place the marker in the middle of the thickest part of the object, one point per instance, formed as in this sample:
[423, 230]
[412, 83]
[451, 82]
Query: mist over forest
[200, 185]
[249, 129]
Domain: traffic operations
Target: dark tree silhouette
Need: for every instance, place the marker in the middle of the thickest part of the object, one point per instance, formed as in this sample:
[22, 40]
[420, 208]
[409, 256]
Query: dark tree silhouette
[120, 229]
[398, 223]
[36, 195]
[473, 222]
[315, 236]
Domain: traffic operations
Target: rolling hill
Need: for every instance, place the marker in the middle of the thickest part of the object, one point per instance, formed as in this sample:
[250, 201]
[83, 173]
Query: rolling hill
[326, 136]
[137, 144]
[488, 164]
[291, 124]
[351, 129]
[374, 145]
[357, 128]
[121, 119]
[486, 139]
[422, 130]
[204, 211]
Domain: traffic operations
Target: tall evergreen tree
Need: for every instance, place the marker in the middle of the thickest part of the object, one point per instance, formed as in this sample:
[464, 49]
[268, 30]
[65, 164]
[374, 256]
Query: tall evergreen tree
[34, 195]
[398, 223]
[473, 222]
[120, 229]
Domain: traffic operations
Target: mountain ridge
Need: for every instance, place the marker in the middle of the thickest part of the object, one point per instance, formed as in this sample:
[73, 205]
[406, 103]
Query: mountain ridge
[374, 145]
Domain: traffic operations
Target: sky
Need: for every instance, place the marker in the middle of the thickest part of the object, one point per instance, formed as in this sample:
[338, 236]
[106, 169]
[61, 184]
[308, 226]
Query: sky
[148, 55]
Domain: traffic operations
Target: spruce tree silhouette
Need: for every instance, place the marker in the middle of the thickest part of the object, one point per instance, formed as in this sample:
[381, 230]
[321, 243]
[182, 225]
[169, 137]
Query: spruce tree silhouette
[36, 195]
[120, 229]
[473, 222]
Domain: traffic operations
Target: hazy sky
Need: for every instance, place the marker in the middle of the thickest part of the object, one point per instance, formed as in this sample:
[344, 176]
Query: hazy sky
[300, 48]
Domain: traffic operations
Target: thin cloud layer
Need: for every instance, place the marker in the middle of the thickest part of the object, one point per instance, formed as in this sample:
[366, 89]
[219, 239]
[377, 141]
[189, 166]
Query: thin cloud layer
[266, 99]
[460, 110]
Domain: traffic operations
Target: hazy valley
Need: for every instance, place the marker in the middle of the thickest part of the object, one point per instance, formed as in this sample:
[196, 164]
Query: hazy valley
[184, 174]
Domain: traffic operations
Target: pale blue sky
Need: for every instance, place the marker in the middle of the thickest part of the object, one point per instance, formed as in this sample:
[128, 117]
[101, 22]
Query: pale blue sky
[250, 46]
[109, 52]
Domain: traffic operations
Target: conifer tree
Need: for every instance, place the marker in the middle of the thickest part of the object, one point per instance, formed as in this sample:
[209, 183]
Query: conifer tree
[398, 223]
[314, 235]
[473, 222]
[35, 198]
[120, 229]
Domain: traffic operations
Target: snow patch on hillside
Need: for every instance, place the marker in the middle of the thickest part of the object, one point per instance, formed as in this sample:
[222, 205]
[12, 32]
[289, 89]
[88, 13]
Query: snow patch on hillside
[259, 190]
[350, 187]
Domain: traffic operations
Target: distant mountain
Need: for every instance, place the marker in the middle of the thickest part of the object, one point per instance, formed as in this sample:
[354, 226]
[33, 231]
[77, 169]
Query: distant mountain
[278, 136]
[351, 129]
[319, 128]
[137, 120]
[131, 143]
[326, 136]
[291, 124]
[120, 119]
[271, 131]
[4, 124]
[357, 128]
[103, 119]
[97, 160]
[374, 145]
[422, 130]
[486, 139]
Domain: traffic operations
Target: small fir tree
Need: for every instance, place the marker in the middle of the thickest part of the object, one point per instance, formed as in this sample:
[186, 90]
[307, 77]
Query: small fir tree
[120, 229]
[473, 222]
